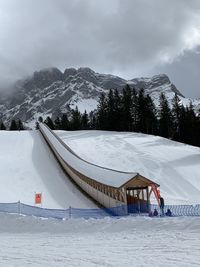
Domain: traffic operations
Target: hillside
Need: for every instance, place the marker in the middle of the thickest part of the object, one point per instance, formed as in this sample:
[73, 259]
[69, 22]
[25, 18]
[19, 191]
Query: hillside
[28, 166]
[173, 165]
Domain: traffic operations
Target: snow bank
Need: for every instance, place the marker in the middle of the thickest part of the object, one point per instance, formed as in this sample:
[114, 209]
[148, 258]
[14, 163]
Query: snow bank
[28, 166]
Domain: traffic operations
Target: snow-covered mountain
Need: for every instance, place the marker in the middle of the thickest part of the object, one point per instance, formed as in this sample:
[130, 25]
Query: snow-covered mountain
[49, 92]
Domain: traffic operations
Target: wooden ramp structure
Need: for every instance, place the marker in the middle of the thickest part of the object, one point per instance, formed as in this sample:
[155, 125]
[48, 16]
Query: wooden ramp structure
[107, 187]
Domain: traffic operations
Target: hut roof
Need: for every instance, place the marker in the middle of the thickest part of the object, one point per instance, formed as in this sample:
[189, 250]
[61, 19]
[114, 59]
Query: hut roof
[100, 174]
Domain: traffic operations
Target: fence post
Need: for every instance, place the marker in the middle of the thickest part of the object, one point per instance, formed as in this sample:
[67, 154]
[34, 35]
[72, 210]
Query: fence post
[19, 207]
[70, 212]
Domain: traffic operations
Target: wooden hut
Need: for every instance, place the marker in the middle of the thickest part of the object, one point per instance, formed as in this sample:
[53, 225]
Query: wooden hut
[109, 188]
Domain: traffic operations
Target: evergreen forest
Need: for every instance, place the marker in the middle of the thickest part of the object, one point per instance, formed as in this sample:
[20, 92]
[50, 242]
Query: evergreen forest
[130, 111]
[134, 111]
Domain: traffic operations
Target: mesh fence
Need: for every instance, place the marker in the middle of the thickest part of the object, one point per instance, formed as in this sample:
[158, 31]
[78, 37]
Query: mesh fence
[20, 208]
[180, 210]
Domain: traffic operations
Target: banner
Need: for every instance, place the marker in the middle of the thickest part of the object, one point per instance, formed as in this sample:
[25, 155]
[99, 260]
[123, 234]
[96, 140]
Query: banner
[38, 198]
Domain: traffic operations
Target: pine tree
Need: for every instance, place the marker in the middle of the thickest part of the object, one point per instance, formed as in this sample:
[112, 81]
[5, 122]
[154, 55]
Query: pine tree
[197, 129]
[189, 126]
[40, 119]
[127, 120]
[102, 112]
[165, 118]
[176, 112]
[134, 110]
[76, 119]
[84, 121]
[2, 126]
[92, 120]
[117, 111]
[37, 125]
[141, 112]
[183, 132]
[193, 118]
[13, 126]
[49, 123]
[151, 123]
[111, 120]
[57, 124]
[65, 125]
[20, 125]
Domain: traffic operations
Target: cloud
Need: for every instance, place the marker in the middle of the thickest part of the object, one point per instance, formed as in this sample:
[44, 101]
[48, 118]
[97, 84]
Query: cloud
[126, 37]
[184, 73]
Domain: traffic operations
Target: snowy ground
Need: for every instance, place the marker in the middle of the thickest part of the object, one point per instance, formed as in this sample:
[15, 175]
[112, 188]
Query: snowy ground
[28, 166]
[175, 166]
[133, 241]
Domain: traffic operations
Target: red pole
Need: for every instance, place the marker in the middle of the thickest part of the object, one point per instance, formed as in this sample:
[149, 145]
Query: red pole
[156, 193]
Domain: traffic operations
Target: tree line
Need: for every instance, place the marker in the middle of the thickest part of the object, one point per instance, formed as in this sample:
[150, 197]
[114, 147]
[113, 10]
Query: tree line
[14, 125]
[131, 111]
[134, 111]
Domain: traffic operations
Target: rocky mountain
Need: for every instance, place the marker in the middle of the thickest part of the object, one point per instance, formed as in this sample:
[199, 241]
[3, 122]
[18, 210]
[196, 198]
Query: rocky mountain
[49, 92]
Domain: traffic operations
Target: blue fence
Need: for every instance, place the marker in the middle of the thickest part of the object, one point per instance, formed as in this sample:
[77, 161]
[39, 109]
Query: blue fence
[180, 210]
[20, 208]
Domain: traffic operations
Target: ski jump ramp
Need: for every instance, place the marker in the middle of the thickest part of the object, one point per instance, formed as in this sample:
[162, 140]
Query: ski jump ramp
[107, 187]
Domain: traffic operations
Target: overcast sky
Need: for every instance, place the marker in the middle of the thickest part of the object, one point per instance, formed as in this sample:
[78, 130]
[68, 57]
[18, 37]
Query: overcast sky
[130, 38]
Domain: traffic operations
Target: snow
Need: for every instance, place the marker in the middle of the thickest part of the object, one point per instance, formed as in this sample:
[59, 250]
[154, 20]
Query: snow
[132, 241]
[175, 166]
[85, 104]
[28, 167]
[102, 175]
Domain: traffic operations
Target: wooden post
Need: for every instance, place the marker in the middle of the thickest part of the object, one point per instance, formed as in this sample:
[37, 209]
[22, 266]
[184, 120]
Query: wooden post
[19, 207]
[148, 199]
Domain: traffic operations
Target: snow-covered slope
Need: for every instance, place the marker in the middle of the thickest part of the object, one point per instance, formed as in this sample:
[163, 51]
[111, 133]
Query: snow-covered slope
[175, 166]
[50, 92]
[28, 166]
[130, 241]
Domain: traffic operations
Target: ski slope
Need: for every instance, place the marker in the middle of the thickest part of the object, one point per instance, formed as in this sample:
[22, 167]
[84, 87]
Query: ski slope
[175, 166]
[28, 166]
[130, 241]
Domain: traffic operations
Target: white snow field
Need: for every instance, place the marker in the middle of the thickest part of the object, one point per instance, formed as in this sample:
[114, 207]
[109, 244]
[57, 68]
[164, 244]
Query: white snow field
[132, 241]
[175, 166]
[28, 167]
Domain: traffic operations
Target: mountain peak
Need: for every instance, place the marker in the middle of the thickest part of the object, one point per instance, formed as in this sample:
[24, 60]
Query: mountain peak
[49, 92]
[85, 70]
[70, 72]
[54, 73]
[43, 78]
[157, 83]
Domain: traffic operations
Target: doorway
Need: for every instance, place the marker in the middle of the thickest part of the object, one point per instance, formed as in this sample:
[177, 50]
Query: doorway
[137, 199]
